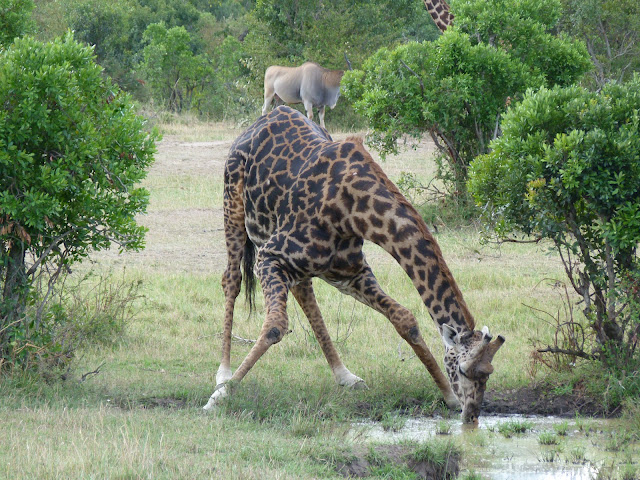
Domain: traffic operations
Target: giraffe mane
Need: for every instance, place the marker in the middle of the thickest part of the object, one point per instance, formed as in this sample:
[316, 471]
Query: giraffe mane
[422, 226]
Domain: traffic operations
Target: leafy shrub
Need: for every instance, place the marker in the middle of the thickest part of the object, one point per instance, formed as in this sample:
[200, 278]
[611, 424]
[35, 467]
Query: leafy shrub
[58, 321]
[567, 168]
[72, 151]
[15, 19]
[457, 87]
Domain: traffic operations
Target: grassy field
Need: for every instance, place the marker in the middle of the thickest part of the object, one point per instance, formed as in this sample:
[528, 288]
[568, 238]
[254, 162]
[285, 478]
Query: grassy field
[140, 416]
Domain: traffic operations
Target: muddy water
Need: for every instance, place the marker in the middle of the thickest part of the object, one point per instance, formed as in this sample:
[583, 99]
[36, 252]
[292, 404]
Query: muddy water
[551, 448]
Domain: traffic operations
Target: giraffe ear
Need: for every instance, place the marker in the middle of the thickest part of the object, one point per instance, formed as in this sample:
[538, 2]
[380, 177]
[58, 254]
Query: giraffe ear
[449, 336]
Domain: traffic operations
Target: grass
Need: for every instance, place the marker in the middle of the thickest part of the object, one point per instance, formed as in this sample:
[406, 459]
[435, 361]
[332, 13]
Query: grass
[436, 452]
[561, 429]
[549, 455]
[443, 427]
[585, 425]
[513, 427]
[629, 472]
[391, 421]
[548, 438]
[577, 455]
[141, 417]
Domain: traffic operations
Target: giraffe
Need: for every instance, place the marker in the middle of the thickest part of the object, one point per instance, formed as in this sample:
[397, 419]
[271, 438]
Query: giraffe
[439, 11]
[299, 205]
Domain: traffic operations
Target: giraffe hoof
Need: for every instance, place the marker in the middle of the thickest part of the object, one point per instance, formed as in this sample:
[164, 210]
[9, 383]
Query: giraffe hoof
[218, 394]
[355, 383]
[359, 385]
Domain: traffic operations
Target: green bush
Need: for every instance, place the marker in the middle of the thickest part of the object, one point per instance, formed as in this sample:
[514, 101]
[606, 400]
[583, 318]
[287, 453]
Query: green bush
[567, 168]
[450, 88]
[72, 151]
[457, 87]
[15, 20]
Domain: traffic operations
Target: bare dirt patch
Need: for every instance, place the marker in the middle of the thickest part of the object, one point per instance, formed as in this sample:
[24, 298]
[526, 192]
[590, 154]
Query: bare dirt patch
[542, 400]
[181, 239]
[176, 157]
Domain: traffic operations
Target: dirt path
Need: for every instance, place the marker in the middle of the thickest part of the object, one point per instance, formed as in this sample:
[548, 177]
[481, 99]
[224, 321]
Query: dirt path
[191, 239]
[180, 239]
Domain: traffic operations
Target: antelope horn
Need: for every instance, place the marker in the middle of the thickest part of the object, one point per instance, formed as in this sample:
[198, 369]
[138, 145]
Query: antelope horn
[347, 60]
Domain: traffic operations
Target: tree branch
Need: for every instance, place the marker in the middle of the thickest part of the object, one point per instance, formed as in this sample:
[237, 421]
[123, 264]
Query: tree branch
[515, 240]
[574, 353]
[54, 244]
[95, 372]
[418, 76]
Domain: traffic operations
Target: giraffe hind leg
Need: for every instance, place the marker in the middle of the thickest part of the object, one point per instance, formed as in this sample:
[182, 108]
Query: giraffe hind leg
[304, 295]
[235, 239]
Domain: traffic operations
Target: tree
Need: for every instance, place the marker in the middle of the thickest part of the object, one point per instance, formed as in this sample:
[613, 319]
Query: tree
[72, 150]
[15, 19]
[449, 88]
[567, 168]
[611, 31]
[456, 87]
[109, 27]
[116, 31]
[176, 75]
[228, 96]
[291, 32]
[516, 25]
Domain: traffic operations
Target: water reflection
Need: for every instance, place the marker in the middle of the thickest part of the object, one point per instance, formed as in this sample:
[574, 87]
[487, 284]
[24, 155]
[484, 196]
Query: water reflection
[549, 448]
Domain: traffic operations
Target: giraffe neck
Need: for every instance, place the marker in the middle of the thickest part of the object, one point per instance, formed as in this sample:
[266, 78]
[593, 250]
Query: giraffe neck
[395, 225]
[439, 11]
[414, 248]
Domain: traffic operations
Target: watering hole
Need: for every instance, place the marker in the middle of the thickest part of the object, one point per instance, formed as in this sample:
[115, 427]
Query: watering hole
[517, 447]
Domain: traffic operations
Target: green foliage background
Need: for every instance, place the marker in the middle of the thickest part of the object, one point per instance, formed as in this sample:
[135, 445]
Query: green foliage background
[226, 45]
[457, 87]
[15, 19]
[567, 168]
[230, 43]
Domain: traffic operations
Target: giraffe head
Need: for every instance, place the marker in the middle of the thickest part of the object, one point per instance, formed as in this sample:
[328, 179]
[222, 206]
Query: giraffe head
[468, 363]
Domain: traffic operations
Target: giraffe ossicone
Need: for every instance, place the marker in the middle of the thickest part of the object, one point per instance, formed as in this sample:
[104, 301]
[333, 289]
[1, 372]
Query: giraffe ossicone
[298, 205]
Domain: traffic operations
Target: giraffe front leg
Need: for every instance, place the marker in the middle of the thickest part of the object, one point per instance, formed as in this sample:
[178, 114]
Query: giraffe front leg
[345, 378]
[304, 295]
[365, 288]
[231, 280]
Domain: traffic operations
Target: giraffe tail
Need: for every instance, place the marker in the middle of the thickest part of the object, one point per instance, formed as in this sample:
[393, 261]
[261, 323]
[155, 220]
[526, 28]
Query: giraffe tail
[248, 260]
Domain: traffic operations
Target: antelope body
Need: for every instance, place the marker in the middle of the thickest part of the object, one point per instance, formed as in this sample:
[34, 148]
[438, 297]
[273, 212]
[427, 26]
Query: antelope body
[309, 84]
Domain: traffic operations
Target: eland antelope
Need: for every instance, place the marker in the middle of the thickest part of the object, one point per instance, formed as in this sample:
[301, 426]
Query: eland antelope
[310, 84]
